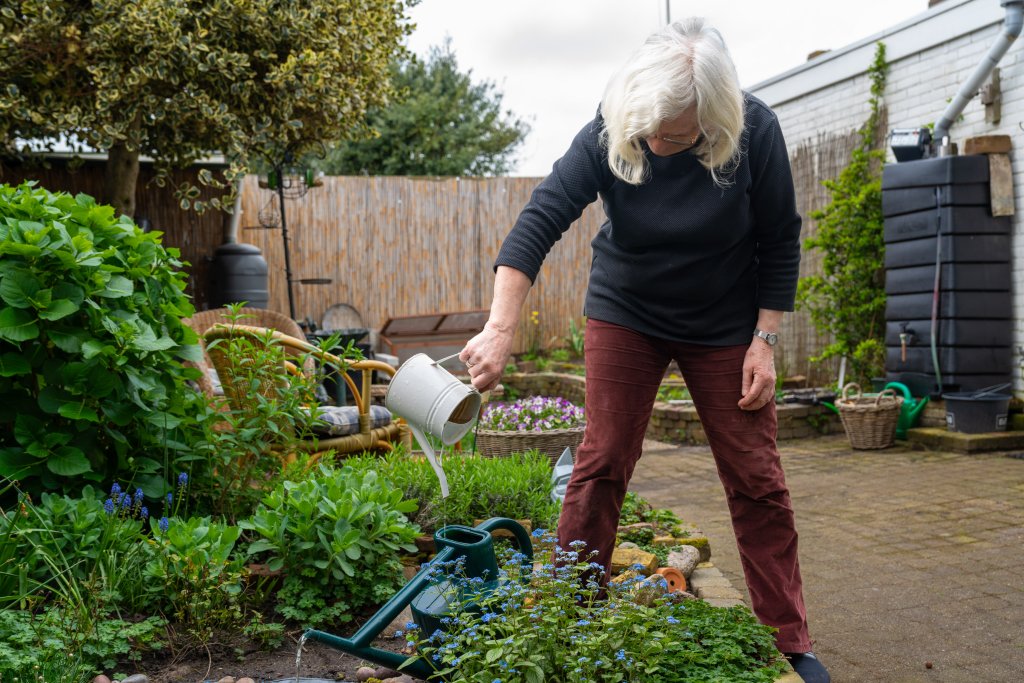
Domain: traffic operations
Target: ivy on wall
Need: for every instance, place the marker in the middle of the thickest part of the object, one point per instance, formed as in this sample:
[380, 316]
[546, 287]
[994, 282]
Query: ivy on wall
[847, 300]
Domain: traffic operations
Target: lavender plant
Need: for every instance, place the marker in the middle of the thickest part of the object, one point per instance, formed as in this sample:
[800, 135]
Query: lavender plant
[534, 414]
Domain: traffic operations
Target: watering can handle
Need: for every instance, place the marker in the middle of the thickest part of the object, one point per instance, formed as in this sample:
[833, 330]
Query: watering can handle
[522, 538]
[902, 387]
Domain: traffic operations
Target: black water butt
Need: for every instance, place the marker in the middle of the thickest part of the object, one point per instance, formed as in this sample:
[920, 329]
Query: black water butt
[239, 274]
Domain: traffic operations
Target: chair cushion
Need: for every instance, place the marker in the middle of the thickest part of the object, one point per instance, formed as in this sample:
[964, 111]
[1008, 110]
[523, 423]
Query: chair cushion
[344, 420]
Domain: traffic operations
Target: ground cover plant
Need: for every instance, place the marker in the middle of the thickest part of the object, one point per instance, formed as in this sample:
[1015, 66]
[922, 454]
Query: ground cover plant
[549, 625]
[518, 487]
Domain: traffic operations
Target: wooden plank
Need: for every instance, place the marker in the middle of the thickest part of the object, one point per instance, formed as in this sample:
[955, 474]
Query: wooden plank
[988, 144]
[1001, 185]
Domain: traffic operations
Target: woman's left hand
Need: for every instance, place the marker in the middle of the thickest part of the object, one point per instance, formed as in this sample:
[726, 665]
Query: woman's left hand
[758, 376]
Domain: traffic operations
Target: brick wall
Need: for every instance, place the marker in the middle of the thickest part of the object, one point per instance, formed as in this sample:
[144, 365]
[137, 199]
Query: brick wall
[930, 56]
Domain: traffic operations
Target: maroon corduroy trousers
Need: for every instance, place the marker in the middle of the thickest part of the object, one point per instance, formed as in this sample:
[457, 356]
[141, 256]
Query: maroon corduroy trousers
[624, 370]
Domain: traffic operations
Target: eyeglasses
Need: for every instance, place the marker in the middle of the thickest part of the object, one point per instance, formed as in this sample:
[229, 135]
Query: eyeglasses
[673, 141]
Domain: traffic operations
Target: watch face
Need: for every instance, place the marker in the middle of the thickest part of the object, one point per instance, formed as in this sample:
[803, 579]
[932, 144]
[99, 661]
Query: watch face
[771, 338]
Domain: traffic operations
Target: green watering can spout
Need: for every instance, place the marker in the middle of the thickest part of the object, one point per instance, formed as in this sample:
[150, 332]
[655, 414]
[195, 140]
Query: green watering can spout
[910, 411]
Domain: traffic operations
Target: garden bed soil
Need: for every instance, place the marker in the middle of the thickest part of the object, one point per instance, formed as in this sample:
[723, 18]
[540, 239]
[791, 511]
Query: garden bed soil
[241, 657]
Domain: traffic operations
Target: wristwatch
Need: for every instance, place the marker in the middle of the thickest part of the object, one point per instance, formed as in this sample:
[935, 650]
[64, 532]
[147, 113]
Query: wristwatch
[770, 338]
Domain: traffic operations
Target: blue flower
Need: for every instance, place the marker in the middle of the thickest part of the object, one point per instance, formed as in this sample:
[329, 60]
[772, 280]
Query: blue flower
[138, 496]
[144, 512]
[164, 524]
[170, 498]
[620, 655]
[108, 506]
[182, 479]
[115, 490]
[672, 620]
[126, 501]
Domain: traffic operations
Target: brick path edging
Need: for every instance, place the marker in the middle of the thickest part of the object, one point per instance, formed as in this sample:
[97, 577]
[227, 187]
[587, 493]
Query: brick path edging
[672, 422]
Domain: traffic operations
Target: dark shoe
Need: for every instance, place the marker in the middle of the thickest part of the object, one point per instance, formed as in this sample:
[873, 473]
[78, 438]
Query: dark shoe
[808, 667]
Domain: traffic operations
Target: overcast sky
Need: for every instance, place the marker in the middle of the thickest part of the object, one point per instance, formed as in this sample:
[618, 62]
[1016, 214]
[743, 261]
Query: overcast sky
[552, 58]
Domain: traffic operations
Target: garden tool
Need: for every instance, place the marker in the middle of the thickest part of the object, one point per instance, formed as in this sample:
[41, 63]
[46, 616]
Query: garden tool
[435, 404]
[432, 598]
[909, 411]
[561, 474]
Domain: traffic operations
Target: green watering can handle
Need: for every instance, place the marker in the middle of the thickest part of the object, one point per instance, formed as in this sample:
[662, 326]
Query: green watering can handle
[901, 387]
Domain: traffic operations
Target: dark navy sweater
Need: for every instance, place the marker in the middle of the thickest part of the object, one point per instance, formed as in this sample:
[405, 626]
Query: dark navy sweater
[678, 257]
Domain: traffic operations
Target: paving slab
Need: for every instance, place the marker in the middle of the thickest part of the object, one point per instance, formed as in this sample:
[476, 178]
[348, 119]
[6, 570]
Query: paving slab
[912, 558]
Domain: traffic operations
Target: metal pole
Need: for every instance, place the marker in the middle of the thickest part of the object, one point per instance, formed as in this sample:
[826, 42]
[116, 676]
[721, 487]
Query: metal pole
[284, 236]
[668, 11]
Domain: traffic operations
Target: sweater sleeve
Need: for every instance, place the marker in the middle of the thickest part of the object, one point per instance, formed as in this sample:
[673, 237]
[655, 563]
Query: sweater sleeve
[573, 184]
[777, 223]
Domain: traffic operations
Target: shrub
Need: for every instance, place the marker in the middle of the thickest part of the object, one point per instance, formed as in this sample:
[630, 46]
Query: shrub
[91, 344]
[518, 487]
[552, 627]
[336, 537]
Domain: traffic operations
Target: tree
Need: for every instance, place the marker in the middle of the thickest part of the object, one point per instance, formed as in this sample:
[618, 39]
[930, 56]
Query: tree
[441, 124]
[847, 301]
[178, 79]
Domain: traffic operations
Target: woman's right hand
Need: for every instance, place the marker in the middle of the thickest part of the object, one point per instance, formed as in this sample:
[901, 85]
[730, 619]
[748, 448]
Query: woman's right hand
[486, 356]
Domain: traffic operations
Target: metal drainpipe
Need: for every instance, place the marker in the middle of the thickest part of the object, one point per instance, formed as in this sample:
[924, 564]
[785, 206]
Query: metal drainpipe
[1012, 24]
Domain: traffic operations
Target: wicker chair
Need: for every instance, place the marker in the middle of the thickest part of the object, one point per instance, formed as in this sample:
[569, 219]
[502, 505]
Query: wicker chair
[256, 317]
[368, 437]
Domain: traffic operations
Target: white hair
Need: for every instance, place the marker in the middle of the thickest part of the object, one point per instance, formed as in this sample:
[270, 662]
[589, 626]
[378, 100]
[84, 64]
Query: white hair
[685, 64]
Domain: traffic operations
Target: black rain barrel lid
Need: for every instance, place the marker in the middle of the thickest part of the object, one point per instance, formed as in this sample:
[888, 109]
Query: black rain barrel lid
[229, 248]
[938, 171]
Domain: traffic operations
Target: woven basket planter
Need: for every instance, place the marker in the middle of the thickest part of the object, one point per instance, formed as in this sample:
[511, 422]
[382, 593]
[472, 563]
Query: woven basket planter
[870, 421]
[495, 444]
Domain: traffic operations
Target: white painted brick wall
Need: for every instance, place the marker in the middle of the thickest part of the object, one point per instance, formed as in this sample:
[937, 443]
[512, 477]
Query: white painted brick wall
[920, 84]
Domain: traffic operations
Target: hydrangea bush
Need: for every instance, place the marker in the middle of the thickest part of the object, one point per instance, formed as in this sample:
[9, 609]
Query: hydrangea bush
[535, 414]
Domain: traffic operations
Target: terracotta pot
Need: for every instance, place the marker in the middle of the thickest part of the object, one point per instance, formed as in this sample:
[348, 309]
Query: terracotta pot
[675, 578]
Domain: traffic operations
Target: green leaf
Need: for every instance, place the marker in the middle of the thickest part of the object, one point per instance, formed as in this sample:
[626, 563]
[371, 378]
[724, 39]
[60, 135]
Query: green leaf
[67, 340]
[60, 308]
[18, 287]
[16, 464]
[78, 411]
[68, 462]
[119, 286]
[13, 364]
[17, 325]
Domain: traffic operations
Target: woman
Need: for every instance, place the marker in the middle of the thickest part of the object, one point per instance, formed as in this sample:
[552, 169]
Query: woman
[696, 263]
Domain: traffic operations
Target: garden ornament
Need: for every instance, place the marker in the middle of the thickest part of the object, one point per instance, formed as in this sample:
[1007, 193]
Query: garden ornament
[432, 597]
[435, 404]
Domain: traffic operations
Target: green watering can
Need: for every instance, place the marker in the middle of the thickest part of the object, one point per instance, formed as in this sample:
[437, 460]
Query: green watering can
[909, 411]
[432, 598]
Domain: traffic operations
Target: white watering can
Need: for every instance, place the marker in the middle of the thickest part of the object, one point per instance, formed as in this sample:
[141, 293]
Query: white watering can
[435, 404]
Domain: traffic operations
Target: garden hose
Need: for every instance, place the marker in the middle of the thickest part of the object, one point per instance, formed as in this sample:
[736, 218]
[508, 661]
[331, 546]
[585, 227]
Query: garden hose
[935, 290]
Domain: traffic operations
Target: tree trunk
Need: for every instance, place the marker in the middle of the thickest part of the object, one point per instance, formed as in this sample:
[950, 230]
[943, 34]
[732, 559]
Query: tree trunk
[121, 178]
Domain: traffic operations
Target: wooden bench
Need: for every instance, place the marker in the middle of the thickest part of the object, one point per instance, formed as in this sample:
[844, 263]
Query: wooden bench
[435, 334]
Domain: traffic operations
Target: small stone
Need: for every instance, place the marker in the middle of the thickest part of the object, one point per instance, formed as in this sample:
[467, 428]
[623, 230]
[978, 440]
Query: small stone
[399, 679]
[625, 559]
[101, 679]
[227, 679]
[685, 559]
[136, 678]
[627, 545]
[364, 673]
[384, 673]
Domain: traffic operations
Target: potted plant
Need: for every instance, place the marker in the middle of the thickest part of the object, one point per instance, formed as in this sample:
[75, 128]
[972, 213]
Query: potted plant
[544, 423]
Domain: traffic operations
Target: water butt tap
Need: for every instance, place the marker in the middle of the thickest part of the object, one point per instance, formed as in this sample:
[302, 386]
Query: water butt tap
[907, 336]
[432, 597]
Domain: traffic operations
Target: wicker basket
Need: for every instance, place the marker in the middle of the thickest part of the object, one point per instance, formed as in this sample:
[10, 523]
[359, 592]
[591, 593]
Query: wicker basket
[495, 444]
[870, 421]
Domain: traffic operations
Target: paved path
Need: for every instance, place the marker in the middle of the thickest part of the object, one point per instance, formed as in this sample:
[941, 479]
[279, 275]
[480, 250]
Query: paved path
[910, 558]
